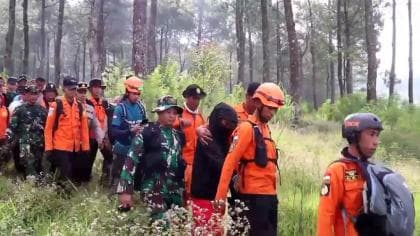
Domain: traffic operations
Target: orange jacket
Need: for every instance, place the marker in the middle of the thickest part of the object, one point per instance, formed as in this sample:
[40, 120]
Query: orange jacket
[190, 134]
[191, 137]
[4, 121]
[72, 134]
[100, 112]
[241, 112]
[252, 178]
[342, 186]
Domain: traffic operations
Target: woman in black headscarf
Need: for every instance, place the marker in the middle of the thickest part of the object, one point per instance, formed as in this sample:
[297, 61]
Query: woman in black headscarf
[208, 163]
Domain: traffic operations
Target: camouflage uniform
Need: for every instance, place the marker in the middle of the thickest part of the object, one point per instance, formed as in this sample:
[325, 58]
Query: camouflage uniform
[162, 181]
[27, 126]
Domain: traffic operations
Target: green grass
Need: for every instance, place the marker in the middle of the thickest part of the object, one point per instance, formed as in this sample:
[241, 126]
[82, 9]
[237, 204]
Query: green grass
[304, 155]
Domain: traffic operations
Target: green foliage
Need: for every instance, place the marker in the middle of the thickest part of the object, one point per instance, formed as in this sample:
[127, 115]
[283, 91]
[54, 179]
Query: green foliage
[114, 77]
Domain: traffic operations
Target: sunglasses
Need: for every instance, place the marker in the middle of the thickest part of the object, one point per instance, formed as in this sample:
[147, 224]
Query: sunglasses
[279, 102]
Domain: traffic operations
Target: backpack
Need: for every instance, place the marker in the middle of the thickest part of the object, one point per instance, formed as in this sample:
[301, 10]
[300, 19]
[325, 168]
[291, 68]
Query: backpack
[152, 160]
[124, 109]
[387, 202]
[260, 158]
[60, 111]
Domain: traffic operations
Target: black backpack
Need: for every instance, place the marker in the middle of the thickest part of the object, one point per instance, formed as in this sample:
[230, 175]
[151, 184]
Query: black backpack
[153, 161]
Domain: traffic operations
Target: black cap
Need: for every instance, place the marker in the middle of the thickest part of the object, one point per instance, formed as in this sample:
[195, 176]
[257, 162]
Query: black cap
[69, 82]
[12, 80]
[22, 77]
[41, 79]
[50, 87]
[96, 83]
[193, 90]
[252, 87]
[22, 89]
[82, 85]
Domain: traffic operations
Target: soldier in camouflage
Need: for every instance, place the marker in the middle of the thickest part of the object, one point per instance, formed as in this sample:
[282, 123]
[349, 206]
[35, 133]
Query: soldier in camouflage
[154, 164]
[27, 126]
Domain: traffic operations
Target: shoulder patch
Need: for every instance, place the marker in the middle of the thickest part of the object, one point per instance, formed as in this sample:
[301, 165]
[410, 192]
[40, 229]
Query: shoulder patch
[50, 111]
[326, 185]
[234, 143]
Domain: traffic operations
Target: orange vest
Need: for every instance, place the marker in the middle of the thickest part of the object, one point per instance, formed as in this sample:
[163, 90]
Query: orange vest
[100, 112]
[4, 121]
[72, 133]
[253, 179]
[241, 112]
[342, 186]
[191, 138]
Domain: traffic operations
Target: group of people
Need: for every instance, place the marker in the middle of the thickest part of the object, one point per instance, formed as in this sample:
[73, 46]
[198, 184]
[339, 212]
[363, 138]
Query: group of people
[45, 132]
[182, 158]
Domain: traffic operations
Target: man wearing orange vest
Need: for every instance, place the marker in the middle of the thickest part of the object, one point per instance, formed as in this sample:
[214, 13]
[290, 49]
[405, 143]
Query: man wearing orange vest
[341, 200]
[247, 108]
[66, 130]
[253, 153]
[5, 152]
[190, 120]
[101, 106]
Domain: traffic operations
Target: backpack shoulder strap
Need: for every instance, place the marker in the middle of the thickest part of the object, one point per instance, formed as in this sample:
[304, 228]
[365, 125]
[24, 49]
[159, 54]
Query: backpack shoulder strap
[89, 102]
[123, 109]
[141, 107]
[58, 113]
[80, 106]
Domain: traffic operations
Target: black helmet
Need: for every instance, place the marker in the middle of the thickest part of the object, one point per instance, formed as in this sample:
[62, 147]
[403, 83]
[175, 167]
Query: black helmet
[355, 123]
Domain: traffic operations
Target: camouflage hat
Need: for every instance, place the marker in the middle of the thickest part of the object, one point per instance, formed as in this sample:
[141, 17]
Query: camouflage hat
[31, 89]
[166, 102]
[22, 77]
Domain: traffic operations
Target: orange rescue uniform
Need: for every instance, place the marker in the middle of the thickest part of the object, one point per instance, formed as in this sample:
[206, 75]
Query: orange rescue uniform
[342, 186]
[241, 112]
[252, 178]
[191, 138]
[72, 133]
[4, 121]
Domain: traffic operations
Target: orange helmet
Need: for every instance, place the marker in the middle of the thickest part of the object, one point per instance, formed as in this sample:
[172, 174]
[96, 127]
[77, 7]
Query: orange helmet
[270, 95]
[133, 84]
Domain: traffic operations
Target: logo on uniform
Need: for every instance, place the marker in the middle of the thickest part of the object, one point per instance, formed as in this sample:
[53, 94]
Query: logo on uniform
[351, 175]
[326, 185]
[234, 143]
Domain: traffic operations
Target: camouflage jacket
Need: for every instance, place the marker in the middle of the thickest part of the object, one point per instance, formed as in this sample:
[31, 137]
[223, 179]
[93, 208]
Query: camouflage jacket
[27, 124]
[162, 167]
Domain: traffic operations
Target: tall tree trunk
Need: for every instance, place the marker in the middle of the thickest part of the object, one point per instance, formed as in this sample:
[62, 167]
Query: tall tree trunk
[371, 44]
[265, 41]
[139, 36]
[339, 50]
[43, 39]
[331, 61]
[250, 49]
[100, 36]
[96, 38]
[348, 66]
[25, 62]
[295, 60]
[47, 58]
[392, 74]
[76, 63]
[84, 61]
[240, 39]
[161, 46]
[10, 37]
[278, 45]
[200, 22]
[313, 56]
[57, 44]
[151, 49]
[410, 56]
